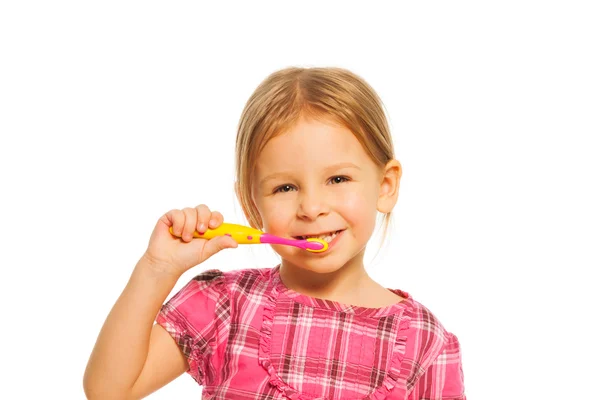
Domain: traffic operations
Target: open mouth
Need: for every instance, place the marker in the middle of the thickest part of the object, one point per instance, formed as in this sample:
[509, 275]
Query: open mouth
[328, 237]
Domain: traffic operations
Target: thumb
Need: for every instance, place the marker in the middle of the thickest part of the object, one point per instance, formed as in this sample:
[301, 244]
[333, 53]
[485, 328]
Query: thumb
[216, 244]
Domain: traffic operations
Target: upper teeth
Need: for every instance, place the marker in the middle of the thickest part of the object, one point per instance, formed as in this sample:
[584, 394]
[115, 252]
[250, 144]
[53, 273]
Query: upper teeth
[328, 237]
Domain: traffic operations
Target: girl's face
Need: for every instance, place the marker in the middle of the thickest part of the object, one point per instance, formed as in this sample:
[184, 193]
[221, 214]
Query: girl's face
[316, 179]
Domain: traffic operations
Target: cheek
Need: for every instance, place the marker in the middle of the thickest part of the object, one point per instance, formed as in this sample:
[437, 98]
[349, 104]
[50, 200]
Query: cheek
[360, 213]
[276, 216]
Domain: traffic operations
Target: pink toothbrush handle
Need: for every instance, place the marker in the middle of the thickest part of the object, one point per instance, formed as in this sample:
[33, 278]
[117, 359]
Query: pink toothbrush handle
[312, 244]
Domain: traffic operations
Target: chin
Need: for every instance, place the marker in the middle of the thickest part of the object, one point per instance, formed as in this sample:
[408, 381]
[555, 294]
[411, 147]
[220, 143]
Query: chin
[315, 262]
[318, 267]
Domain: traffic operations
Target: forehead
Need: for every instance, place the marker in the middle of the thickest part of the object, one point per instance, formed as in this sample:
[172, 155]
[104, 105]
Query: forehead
[308, 144]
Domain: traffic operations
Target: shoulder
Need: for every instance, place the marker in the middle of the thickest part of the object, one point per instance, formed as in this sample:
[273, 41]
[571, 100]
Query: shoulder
[212, 292]
[234, 281]
[435, 369]
[431, 337]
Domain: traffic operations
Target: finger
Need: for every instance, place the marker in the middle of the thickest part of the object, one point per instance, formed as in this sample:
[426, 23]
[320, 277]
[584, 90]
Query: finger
[216, 219]
[190, 224]
[203, 216]
[216, 244]
[176, 219]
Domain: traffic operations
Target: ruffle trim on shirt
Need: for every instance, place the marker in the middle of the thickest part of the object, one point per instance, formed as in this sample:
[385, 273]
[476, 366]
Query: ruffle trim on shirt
[380, 393]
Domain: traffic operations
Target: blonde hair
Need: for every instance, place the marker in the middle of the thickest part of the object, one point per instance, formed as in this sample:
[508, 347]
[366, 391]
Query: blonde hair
[320, 93]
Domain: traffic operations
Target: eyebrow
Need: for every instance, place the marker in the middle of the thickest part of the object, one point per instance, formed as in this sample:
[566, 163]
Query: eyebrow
[288, 174]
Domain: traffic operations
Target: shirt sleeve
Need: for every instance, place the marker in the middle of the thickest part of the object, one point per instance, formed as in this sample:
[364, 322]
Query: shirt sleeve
[443, 379]
[193, 316]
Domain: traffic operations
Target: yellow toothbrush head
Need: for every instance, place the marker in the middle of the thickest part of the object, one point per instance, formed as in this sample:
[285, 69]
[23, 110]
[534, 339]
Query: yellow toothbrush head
[320, 241]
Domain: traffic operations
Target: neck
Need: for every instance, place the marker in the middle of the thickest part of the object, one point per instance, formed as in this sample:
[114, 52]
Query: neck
[340, 283]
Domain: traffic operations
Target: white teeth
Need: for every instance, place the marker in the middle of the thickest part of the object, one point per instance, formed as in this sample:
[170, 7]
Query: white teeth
[328, 238]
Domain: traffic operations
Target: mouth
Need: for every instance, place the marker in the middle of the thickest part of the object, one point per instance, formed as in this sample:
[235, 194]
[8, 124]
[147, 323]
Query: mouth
[327, 236]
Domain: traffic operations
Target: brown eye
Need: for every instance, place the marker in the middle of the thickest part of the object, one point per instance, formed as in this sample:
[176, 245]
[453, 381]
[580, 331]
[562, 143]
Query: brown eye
[284, 189]
[339, 179]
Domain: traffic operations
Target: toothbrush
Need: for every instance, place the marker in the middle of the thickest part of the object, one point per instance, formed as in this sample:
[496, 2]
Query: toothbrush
[246, 235]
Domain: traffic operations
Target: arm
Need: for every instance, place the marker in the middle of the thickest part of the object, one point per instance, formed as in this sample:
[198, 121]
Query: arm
[132, 358]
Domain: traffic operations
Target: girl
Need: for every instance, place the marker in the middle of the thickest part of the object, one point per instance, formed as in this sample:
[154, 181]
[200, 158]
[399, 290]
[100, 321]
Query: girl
[314, 157]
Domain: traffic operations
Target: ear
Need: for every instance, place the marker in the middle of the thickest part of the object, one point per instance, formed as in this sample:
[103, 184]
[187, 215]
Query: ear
[389, 187]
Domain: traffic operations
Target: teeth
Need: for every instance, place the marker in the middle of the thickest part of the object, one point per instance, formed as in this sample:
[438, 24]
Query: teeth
[328, 237]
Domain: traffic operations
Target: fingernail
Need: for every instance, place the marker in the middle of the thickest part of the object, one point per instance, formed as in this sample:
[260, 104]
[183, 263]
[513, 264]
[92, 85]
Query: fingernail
[201, 229]
[212, 222]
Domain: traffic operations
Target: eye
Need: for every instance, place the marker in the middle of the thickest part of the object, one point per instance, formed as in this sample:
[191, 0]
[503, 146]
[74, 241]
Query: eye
[339, 179]
[284, 189]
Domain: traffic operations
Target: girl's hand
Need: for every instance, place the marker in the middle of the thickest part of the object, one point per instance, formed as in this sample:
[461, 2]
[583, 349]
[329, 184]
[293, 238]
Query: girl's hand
[175, 255]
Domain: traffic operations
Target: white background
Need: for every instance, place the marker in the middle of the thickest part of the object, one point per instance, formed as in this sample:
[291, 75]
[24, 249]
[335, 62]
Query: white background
[114, 112]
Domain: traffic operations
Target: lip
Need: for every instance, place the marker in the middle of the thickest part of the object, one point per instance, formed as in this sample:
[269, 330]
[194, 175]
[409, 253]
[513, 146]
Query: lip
[297, 237]
[334, 241]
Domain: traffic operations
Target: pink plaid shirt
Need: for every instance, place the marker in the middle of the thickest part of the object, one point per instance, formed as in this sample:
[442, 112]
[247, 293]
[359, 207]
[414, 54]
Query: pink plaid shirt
[247, 336]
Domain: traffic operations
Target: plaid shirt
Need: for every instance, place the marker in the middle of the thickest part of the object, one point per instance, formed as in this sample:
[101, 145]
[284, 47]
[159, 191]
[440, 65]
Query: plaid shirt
[247, 336]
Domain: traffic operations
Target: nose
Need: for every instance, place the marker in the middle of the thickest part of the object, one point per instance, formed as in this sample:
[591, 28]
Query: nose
[312, 204]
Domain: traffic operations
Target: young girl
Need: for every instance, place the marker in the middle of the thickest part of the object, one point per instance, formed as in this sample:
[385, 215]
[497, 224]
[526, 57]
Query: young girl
[314, 158]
